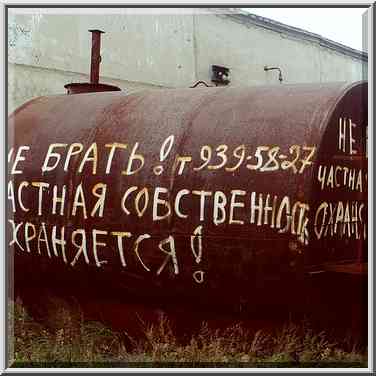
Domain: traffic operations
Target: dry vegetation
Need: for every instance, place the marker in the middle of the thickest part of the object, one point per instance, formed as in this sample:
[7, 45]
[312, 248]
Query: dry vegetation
[94, 345]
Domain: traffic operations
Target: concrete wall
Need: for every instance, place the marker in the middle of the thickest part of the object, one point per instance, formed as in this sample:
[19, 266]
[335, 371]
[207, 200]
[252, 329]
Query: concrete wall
[146, 49]
[26, 82]
[47, 51]
[247, 49]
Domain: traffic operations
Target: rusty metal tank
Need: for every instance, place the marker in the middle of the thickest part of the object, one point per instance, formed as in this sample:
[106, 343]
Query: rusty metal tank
[229, 196]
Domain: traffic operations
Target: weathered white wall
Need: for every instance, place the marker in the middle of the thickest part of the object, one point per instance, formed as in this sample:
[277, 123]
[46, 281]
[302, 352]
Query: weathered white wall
[246, 50]
[26, 82]
[146, 49]
[46, 51]
[149, 48]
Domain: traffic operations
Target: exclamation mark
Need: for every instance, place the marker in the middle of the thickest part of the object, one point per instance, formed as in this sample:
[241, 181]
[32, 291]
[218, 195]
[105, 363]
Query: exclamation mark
[164, 152]
[198, 275]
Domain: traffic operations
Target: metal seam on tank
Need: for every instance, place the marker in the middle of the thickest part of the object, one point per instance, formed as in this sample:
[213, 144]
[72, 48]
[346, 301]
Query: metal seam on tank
[316, 128]
[336, 98]
[135, 101]
[72, 183]
[343, 91]
[185, 134]
[346, 90]
[72, 178]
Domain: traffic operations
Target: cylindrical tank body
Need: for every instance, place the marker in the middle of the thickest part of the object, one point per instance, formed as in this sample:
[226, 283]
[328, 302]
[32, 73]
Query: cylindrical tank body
[229, 193]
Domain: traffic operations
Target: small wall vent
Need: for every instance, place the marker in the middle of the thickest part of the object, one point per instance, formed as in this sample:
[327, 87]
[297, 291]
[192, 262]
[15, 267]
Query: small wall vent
[220, 75]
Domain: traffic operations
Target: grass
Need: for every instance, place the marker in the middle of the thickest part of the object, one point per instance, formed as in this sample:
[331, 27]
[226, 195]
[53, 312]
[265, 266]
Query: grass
[91, 344]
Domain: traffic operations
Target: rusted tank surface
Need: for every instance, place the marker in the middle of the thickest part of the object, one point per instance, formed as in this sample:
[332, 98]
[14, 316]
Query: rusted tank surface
[226, 195]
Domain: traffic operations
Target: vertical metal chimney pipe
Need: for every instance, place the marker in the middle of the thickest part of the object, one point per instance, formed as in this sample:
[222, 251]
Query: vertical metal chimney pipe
[93, 86]
[95, 55]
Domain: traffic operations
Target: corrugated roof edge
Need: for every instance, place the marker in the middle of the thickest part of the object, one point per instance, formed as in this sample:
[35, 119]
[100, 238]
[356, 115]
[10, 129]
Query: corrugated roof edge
[267, 23]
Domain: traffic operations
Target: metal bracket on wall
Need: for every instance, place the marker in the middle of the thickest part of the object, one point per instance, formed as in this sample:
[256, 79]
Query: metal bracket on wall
[266, 68]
